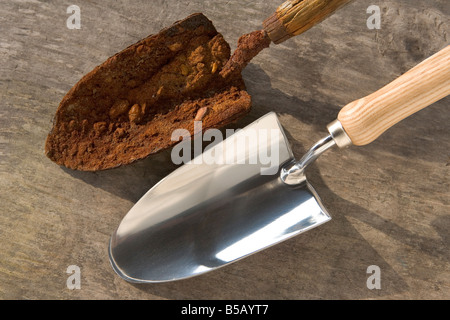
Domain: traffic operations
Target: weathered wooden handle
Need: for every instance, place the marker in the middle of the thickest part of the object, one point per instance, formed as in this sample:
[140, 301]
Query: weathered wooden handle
[294, 17]
[364, 120]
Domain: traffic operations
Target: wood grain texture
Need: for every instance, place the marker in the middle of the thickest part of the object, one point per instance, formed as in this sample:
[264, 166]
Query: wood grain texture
[364, 120]
[389, 200]
[294, 17]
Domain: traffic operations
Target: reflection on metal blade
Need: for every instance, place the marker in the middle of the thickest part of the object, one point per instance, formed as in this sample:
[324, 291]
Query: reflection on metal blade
[204, 216]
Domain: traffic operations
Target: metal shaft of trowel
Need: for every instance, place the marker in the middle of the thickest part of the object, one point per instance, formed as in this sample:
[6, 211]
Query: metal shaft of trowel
[294, 173]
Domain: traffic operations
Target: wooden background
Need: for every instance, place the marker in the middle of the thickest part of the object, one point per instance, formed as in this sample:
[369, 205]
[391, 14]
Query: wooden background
[389, 200]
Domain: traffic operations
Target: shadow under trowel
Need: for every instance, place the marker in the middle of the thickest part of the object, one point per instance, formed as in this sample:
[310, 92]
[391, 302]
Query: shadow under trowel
[131, 181]
[421, 136]
[328, 262]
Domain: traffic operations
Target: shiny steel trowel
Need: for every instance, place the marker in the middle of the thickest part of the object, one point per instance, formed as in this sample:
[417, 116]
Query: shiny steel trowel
[231, 201]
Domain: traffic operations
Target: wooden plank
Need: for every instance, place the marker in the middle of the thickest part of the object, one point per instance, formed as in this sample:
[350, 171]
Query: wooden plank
[389, 200]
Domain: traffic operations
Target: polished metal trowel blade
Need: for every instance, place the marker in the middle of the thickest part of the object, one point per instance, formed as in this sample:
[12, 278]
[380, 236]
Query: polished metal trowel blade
[205, 216]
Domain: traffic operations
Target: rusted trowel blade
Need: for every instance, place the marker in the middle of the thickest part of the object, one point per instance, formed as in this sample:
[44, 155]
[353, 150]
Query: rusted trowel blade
[127, 108]
[204, 216]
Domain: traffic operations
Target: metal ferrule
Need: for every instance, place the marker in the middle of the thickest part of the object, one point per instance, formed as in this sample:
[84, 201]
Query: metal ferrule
[339, 135]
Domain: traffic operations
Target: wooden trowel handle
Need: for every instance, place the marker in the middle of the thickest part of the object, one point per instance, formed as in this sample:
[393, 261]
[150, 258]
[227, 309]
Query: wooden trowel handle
[364, 120]
[294, 17]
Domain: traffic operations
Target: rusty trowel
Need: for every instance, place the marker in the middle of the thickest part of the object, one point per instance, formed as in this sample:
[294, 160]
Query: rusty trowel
[248, 192]
[126, 108]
